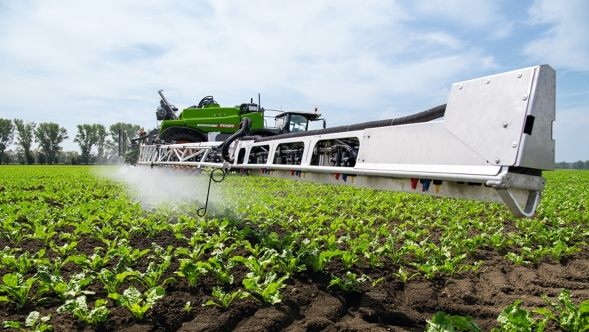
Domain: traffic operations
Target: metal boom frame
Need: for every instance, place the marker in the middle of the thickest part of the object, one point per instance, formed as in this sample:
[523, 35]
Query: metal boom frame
[492, 145]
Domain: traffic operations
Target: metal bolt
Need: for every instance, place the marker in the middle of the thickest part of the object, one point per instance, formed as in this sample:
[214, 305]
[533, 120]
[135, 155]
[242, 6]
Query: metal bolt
[504, 124]
[460, 87]
[525, 97]
[362, 160]
[514, 144]
[368, 136]
[519, 75]
[497, 161]
[488, 81]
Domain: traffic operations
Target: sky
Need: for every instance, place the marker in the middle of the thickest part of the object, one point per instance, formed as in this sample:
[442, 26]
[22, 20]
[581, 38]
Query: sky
[76, 62]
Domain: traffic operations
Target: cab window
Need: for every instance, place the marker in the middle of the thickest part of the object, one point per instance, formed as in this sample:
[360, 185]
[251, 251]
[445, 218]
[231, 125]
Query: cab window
[298, 123]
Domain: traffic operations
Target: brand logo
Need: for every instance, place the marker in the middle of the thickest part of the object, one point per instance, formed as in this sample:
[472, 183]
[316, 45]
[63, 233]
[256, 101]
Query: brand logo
[216, 125]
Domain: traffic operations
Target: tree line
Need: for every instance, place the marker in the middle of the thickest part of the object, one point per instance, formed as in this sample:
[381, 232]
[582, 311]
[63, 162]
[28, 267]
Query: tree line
[576, 165]
[97, 144]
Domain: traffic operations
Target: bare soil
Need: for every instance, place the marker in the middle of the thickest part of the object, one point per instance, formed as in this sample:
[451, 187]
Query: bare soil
[310, 305]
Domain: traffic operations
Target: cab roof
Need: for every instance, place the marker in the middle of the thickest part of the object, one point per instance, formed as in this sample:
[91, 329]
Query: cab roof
[309, 115]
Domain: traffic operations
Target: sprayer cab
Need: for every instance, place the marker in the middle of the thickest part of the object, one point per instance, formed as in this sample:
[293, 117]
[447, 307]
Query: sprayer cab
[296, 121]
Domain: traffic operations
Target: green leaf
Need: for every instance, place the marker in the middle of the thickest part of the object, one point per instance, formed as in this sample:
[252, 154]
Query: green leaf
[99, 314]
[545, 312]
[464, 323]
[32, 318]
[10, 324]
[440, 323]
[132, 295]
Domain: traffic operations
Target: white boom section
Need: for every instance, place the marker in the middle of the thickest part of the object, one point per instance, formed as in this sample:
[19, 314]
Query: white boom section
[494, 142]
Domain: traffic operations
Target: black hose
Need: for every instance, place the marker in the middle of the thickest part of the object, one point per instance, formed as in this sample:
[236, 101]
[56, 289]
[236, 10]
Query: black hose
[431, 114]
[346, 147]
[244, 129]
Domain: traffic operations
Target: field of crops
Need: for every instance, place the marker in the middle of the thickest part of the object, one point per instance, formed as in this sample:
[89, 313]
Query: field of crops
[91, 252]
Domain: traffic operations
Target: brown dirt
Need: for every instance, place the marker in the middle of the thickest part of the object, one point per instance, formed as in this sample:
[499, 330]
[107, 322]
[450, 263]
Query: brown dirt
[310, 305]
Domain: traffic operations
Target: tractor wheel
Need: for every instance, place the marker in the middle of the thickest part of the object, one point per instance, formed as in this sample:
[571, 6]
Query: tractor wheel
[183, 138]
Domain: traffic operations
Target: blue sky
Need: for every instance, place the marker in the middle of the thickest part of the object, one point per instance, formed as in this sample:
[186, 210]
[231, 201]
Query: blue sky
[74, 62]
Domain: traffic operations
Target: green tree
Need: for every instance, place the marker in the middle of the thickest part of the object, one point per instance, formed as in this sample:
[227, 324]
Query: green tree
[100, 132]
[6, 136]
[86, 139]
[579, 164]
[25, 132]
[72, 157]
[41, 158]
[50, 135]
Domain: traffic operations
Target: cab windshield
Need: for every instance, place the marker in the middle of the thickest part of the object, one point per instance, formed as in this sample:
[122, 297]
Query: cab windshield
[297, 123]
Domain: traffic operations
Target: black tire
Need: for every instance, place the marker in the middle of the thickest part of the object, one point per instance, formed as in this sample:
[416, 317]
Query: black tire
[182, 138]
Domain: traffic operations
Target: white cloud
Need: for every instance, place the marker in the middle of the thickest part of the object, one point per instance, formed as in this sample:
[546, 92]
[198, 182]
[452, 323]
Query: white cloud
[566, 43]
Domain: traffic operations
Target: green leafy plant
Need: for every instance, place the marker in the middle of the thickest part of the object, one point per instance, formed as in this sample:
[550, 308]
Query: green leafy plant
[137, 302]
[14, 231]
[112, 281]
[258, 266]
[80, 310]
[349, 258]
[375, 253]
[570, 317]
[32, 321]
[66, 289]
[151, 277]
[442, 322]
[404, 275]
[95, 262]
[192, 271]
[25, 262]
[195, 252]
[128, 256]
[289, 263]
[430, 268]
[224, 299]
[43, 233]
[256, 250]
[188, 307]
[349, 283]
[268, 290]
[318, 259]
[515, 319]
[65, 249]
[222, 271]
[474, 267]
[19, 289]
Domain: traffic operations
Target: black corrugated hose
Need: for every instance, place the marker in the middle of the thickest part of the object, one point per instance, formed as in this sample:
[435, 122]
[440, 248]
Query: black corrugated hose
[425, 116]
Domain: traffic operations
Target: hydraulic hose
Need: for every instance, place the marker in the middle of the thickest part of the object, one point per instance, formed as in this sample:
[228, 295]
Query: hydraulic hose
[244, 129]
[431, 114]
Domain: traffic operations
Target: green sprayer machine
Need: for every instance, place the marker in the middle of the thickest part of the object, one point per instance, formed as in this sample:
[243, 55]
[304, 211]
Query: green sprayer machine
[490, 142]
